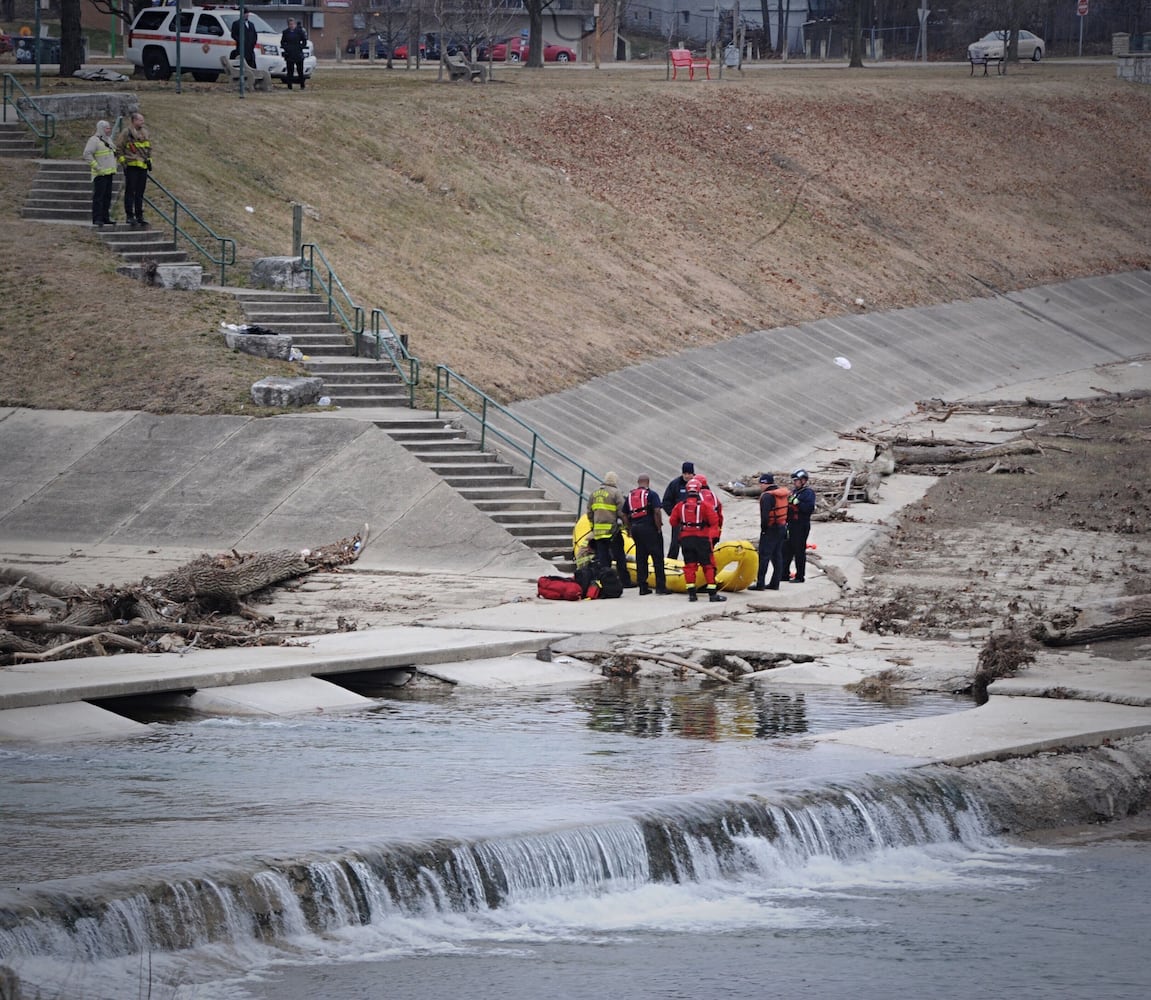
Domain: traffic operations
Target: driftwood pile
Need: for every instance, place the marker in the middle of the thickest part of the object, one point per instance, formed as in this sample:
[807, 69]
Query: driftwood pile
[200, 603]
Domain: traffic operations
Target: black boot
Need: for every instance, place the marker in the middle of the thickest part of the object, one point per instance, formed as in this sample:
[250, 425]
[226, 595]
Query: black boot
[715, 596]
[691, 594]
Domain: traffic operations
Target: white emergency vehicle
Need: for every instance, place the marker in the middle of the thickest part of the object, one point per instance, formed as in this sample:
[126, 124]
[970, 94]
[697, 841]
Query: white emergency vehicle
[205, 35]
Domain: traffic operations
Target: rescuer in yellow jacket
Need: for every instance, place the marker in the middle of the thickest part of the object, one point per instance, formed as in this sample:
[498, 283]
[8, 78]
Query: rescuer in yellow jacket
[134, 151]
[605, 509]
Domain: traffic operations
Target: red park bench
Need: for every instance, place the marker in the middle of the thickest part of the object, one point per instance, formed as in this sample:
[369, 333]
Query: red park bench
[683, 59]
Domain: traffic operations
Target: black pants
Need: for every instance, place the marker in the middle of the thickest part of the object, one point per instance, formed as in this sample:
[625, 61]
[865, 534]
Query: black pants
[295, 69]
[796, 548]
[135, 180]
[771, 541]
[673, 546]
[648, 545]
[609, 550]
[102, 197]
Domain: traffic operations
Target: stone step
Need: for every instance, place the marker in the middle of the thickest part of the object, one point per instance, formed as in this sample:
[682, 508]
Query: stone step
[462, 445]
[22, 149]
[417, 436]
[464, 481]
[63, 167]
[354, 366]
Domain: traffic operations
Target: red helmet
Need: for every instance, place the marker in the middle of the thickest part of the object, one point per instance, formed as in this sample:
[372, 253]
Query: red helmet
[693, 485]
[702, 480]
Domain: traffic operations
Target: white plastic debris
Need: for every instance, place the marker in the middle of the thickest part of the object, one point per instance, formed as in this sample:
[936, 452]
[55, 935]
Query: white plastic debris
[295, 354]
[324, 401]
[248, 208]
[234, 327]
[843, 362]
[859, 301]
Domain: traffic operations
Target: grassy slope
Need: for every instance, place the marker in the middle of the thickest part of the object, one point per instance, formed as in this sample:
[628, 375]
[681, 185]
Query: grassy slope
[550, 226]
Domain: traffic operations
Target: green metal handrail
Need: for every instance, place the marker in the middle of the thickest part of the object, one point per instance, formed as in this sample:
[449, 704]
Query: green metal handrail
[392, 344]
[446, 379]
[178, 216]
[339, 301]
[11, 85]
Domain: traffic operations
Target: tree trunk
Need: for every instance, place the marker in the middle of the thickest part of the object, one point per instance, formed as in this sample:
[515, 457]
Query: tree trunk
[209, 578]
[1121, 618]
[71, 39]
[950, 455]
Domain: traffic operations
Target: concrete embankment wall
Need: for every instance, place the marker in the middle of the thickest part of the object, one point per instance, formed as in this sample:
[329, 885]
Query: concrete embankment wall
[136, 483]
[764, 400]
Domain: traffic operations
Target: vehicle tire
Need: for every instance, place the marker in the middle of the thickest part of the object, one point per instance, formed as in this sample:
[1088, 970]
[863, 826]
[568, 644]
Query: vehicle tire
[563, 57]
[204, 76]
[514, 57]
[1037, 54]
[156, 65]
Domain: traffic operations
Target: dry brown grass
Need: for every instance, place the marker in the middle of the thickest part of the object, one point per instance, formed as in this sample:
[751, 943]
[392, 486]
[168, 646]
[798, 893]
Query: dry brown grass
[554, 225]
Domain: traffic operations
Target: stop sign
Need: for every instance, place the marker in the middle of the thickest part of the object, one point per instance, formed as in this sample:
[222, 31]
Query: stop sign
[1082, 8]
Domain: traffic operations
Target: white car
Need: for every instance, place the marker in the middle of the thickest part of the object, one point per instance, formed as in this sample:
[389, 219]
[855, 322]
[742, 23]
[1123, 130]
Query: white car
[994, 44]
[205, 35]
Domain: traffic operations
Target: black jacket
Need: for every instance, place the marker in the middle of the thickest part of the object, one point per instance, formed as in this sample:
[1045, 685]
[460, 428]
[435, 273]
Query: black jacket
[292, 42]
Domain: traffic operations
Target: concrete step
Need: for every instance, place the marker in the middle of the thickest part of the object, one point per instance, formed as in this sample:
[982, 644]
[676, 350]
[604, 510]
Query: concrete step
[266, 295]
[358, 402]
[320, 332]
[556, 532]
[501, 491]
[159, 256]
[468, 480]
[544, 516]
[350, 390]
[528, 507]
[58, 214]
[361, 380]
[483, 460]
[286, 311]
[354, 366]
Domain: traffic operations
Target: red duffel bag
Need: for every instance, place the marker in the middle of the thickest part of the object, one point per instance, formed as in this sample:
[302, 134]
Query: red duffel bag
[558, 588]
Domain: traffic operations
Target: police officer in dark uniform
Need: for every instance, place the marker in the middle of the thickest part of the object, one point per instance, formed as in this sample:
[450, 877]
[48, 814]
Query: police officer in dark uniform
[293, 41]
[645, 521]
[677, 491]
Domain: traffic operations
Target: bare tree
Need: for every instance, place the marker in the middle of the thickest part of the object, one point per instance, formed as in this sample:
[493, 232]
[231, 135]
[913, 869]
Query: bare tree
[535, 9]
[856, 44]
[71, 40]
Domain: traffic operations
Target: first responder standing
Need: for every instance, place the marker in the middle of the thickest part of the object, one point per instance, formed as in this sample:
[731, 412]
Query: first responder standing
[293, 41]
[134, 151]
[697, 522]
[645, 521]
[675, 492]
[707, 495]
[800, 507]
[773, 507]
[100, 155]
[606, 511]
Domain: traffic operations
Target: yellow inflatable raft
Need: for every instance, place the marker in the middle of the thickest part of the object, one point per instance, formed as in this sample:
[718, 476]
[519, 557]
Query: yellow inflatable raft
[736, 562]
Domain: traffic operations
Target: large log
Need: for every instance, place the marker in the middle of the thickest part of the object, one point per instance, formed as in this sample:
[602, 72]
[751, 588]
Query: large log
[951, 455]
[229, 580]
[1119, 618]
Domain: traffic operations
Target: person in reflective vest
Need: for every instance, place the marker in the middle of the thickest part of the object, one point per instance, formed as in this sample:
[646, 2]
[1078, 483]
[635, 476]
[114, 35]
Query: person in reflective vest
[100, 155]
[800, 507]
[697, 522]
[773, 504]
[645, 522]
[606, 512]
[134, 151]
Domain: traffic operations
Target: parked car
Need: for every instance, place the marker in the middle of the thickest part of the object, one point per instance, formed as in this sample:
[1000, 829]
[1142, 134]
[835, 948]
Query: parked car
[401, 51]
[516, 50]
[364, 46]
[994, 44]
